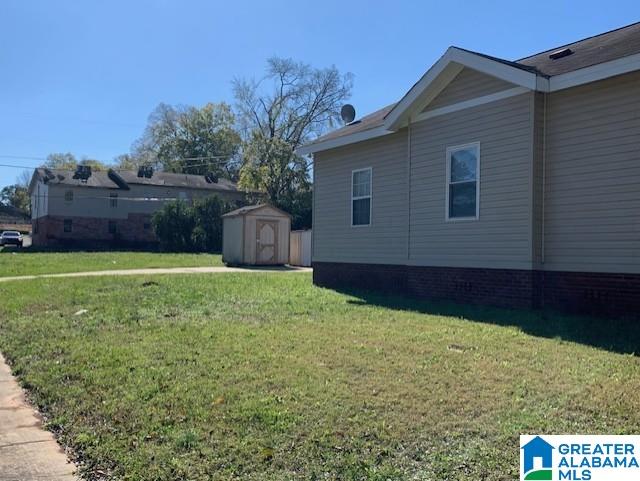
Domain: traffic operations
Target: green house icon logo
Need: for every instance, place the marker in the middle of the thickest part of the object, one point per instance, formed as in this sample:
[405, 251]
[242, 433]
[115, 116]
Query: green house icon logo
[537, 463]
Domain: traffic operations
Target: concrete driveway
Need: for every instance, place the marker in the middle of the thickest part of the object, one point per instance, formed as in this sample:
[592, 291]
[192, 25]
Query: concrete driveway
[168, 270]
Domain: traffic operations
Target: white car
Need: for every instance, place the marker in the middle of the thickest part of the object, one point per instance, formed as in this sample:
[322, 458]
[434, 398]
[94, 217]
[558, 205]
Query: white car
[11, 237]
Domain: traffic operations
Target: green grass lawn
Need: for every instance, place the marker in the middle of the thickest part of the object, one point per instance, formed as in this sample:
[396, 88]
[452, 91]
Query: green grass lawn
[16, 262]
[266, 377]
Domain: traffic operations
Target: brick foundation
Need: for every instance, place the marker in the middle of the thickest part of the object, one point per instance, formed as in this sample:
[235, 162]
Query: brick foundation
[379, 277]
[48, 231]
[596, 294]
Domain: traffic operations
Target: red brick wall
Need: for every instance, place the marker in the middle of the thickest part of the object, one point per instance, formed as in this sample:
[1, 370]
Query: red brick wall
[495, 287]
[379, 277]
[88, 230]
[592, 293]
[595, 294]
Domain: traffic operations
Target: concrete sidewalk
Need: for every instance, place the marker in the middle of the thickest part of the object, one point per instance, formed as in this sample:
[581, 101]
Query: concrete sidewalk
[27, 451]
[164, 270]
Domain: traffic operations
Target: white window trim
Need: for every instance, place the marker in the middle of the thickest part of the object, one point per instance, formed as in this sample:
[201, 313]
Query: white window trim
[370, 196]
[447, 182]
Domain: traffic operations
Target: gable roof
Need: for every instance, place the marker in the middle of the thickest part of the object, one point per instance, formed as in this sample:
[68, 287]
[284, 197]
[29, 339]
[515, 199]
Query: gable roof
[367, 122]
[593, 58]
[102, 179]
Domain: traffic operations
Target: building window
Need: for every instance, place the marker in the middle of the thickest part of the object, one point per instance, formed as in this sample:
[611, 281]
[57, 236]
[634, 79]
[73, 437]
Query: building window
[68, 196]
[146, 226]
[182, 195]
[361, 197]
[67, 225]
[112, 227]
[463, 182]
[113, 200]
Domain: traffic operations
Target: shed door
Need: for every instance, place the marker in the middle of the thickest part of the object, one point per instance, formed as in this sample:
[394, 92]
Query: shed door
[266, 242]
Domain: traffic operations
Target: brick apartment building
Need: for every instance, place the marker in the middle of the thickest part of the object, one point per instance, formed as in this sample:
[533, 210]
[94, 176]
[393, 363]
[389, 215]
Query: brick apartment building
[111, 207]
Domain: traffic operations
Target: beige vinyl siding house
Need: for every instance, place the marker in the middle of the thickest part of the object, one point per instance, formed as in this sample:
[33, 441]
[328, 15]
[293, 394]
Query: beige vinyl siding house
[491, 181]
[334, 237]
[592, 218]
[500, 237]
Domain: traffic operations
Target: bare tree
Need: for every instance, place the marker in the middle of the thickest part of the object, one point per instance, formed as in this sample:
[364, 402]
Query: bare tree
[291, 105]
[24, 179]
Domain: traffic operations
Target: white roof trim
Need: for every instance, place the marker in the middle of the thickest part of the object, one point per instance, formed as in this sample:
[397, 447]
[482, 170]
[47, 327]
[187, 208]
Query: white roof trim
[463, 58]
[447, 67]
[596, 72]
[344, 140]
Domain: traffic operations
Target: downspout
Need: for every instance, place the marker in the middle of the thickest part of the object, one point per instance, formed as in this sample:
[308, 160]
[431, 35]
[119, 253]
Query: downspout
[544, 174]
[408, 189]
[313, 207]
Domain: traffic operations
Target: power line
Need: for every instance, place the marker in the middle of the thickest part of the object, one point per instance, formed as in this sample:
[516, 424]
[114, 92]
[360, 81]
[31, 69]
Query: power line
[214, 160]
[102, 197]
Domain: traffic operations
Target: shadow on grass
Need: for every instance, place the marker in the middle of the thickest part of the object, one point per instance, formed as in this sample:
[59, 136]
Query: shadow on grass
[619, 336]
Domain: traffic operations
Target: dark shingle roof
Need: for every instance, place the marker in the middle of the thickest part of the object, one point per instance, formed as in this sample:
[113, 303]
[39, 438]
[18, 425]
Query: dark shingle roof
[367, 122]
[165, 179]
[605, 47]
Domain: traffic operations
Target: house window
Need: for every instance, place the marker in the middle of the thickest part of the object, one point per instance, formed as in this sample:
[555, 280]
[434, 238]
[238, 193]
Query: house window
[113, 200]
[112, 227]
[68, 196]
[463, 182]
[361, 197]
[67, 225]
[146, 226]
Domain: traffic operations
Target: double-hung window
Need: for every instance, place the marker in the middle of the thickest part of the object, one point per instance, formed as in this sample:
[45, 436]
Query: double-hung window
[361, 197]
[68, 196]
[463, 182]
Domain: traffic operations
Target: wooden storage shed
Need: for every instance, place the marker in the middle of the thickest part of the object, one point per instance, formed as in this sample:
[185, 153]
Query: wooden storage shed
[256, 235]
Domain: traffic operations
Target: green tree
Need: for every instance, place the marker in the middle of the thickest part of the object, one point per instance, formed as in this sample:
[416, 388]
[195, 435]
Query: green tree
[127, 162]
[173, 225]
[191, 140]
[207, 214]
[69, 161]
[180, 226]
[292, 104]
[16, 196]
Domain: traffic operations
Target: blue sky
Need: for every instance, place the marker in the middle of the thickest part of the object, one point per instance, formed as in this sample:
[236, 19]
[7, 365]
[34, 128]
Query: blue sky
[82, 76]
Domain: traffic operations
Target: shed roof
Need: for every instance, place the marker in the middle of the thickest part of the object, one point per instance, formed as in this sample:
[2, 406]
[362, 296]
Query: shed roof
[253, 208]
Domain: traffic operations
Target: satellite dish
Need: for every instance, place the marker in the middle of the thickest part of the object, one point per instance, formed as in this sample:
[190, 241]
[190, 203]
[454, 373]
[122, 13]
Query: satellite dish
[348, 113]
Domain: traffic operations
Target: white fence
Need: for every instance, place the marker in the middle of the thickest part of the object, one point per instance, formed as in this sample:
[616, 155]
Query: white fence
[300, 248]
